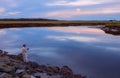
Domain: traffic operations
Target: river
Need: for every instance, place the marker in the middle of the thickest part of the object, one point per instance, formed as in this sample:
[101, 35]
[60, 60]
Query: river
[87, 50]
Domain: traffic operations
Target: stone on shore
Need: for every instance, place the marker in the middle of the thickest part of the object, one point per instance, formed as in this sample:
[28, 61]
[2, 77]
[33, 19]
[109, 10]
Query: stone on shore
[12, 66]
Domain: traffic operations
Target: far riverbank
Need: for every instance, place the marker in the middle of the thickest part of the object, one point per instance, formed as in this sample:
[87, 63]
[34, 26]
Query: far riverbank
[27, 23]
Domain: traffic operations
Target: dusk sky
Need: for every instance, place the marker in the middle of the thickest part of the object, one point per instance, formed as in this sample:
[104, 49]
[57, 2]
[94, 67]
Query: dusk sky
[61, 9]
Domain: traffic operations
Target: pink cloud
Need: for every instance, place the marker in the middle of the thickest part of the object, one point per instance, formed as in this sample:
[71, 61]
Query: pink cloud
[77, 30]
[2, 9]
[78, 12]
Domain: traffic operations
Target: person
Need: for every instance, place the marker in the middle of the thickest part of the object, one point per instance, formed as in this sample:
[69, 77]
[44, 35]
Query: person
[24, 52]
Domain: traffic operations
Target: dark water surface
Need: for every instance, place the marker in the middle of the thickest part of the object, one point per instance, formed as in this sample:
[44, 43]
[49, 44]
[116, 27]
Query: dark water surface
[86, 50]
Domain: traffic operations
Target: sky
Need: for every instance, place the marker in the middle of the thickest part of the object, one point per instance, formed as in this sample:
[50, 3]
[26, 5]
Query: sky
[61, 9]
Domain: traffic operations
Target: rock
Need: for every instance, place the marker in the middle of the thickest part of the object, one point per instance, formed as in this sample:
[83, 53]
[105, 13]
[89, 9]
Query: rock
[1, 52]
[32, 76]
[33, 67]
[37, 74]
[66, 69]
[5, 53]
[19, 66]
[53, 70]
[19, 71]
[26, 76]
[41, 75]
[4, 59]
[33, 64]
[6, 68]
[20, 57]
[39, 70]
[43, 67]
[16, 77]
[12, 66]
[55, 76]
[5, 75]
[66, 72]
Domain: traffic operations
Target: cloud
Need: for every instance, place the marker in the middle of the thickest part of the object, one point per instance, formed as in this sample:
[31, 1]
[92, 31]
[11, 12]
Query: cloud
[79, 12]
[13, 13]
[73, 38]
[2, 10]
[4, 13]
[79, 2]
[6, 7]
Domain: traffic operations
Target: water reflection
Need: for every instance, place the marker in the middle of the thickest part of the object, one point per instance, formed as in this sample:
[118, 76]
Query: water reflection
[77, 30]
[73, 38]
[88, 51]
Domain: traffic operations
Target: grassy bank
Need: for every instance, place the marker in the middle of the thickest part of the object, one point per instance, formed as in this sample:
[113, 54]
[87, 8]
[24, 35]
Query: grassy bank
[7, 24]
[113, 24]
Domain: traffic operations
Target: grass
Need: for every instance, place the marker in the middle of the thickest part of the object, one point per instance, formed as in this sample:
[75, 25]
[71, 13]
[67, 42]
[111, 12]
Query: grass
[6, 24]
[113, 24]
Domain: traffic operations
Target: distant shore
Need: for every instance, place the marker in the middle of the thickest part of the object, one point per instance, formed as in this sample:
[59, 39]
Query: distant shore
[29, 23]
[12, 66]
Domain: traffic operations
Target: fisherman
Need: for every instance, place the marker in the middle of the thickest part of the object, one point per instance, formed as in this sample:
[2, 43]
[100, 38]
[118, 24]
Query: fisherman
[24, 52]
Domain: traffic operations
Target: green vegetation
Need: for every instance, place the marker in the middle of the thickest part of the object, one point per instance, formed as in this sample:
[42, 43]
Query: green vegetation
[113, 24]
[27, 23]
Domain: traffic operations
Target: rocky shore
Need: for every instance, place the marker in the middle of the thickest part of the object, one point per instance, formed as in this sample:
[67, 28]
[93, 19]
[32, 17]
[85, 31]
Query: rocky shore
[12, 66]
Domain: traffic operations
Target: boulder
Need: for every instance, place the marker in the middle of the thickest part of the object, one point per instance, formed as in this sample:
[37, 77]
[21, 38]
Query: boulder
[5, 75]
[32, 76]
[1, 52]
[6, 68]
[5, 53]
[26, 76]
[41, 75]
[66, 72]
[19, 71]
[16, 77]
[53, 70]
[66, 69]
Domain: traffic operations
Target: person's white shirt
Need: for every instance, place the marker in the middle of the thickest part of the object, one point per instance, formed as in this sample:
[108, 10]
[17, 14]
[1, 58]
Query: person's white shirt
[24, 53]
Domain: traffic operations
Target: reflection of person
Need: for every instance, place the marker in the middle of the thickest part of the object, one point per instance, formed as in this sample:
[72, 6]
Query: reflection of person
[24, 52]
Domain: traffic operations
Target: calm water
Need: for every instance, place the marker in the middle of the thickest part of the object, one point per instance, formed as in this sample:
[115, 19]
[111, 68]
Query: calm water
[86, 50]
